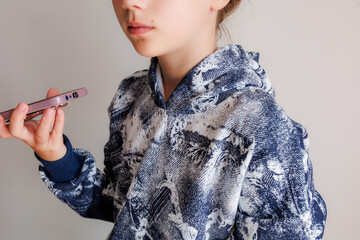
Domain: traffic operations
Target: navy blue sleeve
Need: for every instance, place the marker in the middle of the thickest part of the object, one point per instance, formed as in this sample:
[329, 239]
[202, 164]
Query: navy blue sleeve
[64, 169]
[90, 193]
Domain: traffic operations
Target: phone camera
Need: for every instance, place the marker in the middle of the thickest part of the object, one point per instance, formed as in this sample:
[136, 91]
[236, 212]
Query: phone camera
[75, 95]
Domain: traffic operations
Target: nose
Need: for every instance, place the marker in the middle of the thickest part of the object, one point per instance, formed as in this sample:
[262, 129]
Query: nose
[133, 4]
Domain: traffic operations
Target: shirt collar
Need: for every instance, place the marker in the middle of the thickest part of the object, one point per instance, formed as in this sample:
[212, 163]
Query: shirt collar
[235, 67]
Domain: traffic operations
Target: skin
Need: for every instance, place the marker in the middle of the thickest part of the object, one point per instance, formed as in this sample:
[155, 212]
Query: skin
[44, 136]
[182, 33]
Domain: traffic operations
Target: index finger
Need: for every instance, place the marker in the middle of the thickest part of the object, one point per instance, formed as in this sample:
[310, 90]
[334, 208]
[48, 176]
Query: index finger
[4, 131]
[52, 92]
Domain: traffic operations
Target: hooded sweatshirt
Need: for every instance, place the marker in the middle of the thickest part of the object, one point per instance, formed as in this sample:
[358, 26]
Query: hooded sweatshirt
[219, 160]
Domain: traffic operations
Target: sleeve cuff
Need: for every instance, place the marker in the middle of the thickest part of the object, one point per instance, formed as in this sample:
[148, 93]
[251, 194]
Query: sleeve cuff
[64, 169]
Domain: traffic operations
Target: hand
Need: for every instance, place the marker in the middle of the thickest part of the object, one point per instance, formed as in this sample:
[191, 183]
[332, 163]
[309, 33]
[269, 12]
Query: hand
[44, 136]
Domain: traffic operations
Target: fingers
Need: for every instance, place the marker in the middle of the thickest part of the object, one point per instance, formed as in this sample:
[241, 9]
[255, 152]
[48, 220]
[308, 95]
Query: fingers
[16, 126]
[42, 134]
[4, 131]
[58, 128]
[44, 137]
[52, 92]
[49, 144]
[51, 126]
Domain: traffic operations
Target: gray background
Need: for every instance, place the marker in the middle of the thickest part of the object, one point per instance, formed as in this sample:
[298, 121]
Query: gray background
[309, 49]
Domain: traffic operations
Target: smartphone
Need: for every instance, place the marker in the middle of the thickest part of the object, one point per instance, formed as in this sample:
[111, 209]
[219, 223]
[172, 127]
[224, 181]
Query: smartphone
[38, 108]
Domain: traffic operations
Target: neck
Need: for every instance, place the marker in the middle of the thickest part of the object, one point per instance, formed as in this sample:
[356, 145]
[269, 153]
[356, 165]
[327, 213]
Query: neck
[176, 65]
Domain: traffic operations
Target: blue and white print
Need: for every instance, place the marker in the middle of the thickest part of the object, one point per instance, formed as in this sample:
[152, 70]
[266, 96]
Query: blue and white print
[219, 160]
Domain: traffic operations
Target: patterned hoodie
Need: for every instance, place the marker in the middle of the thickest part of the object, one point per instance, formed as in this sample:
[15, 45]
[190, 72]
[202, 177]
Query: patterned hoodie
[219, 160]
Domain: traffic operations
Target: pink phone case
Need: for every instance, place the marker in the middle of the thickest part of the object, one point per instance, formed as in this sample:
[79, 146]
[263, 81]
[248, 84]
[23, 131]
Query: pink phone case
[37, 108]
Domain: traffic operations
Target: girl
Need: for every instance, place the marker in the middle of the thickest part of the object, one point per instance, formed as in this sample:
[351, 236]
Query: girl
[198, 147]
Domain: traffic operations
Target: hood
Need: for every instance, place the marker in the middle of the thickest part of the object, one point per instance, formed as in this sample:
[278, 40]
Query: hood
[228, 69]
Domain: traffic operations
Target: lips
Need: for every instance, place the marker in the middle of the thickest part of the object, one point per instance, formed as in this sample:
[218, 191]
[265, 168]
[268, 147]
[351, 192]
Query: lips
[136, 28]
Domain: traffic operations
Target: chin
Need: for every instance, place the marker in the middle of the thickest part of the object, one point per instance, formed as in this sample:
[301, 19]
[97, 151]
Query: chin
[145, 50]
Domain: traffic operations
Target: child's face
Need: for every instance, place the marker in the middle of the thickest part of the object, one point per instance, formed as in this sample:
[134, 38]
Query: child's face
[159, 27]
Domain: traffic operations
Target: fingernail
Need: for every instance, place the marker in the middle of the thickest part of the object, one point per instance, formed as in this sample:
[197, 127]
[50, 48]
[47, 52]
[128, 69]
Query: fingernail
[59, 112]
[21, 107]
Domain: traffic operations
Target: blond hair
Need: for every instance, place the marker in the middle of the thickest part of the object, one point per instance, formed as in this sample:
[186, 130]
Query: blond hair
[224, 13]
